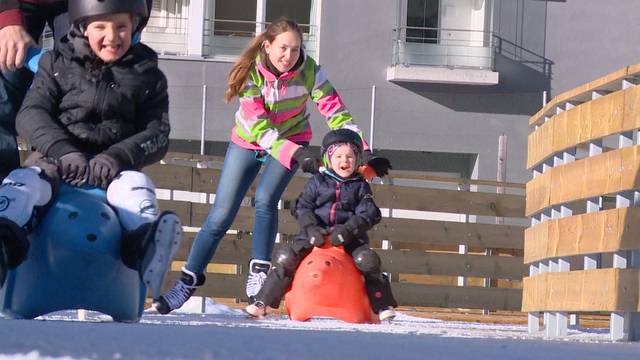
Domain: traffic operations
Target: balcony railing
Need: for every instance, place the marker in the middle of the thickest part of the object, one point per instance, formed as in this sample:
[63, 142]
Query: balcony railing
[227, 38]
[428, 46]
[222, 39]
[167, 34]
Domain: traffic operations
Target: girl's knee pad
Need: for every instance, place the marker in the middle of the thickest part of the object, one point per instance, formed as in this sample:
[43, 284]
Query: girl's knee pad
[133, 195]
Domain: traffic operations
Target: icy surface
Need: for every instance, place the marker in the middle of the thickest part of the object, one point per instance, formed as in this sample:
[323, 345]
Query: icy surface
[226, 333]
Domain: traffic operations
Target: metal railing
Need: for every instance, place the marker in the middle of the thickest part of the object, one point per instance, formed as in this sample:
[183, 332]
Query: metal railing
[462, 48]
[167, 34]
[523, 56]
[225, 38]
[430, 46]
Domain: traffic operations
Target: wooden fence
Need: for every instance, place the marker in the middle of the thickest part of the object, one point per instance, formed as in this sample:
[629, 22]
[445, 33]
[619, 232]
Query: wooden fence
[583, 246]
[428, 259]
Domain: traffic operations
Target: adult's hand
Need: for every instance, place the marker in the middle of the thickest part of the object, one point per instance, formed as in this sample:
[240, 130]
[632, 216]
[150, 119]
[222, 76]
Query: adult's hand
[14, 43]
[379, 164]
[309, 162]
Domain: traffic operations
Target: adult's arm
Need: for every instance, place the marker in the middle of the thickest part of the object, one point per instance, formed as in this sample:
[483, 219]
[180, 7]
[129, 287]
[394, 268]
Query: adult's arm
[14, 38]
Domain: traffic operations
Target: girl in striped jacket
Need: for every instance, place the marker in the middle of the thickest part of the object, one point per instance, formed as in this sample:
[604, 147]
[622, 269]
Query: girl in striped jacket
[273, 79]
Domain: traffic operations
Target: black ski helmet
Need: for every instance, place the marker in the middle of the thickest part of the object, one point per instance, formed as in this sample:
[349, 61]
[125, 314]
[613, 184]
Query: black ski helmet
[341, 136]
[82, 9]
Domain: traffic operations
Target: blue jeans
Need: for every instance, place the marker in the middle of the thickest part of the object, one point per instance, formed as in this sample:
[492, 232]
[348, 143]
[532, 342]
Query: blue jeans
[14, 84]
[240, 168]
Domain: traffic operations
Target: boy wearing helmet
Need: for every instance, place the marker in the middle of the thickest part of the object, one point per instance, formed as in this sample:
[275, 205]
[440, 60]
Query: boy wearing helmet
[97, 113]
[337, 202]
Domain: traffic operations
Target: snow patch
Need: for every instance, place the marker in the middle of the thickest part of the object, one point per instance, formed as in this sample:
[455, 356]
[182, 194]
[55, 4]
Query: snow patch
[35, 355]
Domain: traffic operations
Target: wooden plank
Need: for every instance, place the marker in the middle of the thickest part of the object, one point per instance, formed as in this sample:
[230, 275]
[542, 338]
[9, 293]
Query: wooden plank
[432, 232]
[608, 173]
[417, 262]
[181, 208]
[235, 249]
[539, 144]
[399, 197]
[449, 233]
[587, 121]
[206, 181]
[245, 218]
[548, 109]
[173, 177]
[408, 294]
[419, 175]
[586, 290]
[599, 232]
[216, 285]
[609, 82]
[451, 201]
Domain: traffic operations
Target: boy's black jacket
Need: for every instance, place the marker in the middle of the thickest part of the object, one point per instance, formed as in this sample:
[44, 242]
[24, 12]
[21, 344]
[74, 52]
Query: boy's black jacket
[78, 103]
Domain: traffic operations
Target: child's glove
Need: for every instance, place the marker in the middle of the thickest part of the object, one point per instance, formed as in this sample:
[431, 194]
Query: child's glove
[104, 169]
[308, 161]
[340, 235]
[379, 164]
[316, 234]
[74, 168]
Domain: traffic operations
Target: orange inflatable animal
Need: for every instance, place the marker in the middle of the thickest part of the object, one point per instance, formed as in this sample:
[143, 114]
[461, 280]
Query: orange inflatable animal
[327, 283]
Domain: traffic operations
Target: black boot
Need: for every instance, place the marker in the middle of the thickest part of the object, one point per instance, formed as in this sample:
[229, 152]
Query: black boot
[3, 264]
[379, 292]
[13, 247]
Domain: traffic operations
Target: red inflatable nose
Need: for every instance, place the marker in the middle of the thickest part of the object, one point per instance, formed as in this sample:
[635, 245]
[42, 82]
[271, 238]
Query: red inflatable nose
[328, 284]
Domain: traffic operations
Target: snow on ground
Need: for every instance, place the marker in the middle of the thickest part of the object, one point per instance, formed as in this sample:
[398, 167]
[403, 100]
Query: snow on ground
[226, 333]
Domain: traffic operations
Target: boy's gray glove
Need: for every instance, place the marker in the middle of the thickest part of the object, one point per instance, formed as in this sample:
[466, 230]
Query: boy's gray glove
[379, 164]
[315, 234]
[74, 168]
[104, 169]
[308, 161]
[341, 235]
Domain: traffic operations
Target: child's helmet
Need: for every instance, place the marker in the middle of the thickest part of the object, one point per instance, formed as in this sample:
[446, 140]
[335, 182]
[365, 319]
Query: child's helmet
[82, 9]
[341, 136]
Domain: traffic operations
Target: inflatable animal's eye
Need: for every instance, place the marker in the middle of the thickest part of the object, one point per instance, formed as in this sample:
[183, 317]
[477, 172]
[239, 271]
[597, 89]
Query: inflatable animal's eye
[310, 262]
[92, 237]
[327, 263]
[105, 216]
[73, 215]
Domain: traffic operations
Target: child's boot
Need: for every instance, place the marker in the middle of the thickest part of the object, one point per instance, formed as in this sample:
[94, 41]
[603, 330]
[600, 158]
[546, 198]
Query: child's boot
[159, 245]
[258, 270]
[381, 297]
[256, 309]
[13, 247]
[180, 293]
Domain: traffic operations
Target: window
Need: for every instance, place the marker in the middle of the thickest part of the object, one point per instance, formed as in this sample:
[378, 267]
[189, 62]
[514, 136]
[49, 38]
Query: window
[235, 18]
[300, 11]
[422, 21]
[232, 24]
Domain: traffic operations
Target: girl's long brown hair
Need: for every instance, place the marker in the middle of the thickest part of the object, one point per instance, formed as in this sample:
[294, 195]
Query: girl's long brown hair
[240, 71]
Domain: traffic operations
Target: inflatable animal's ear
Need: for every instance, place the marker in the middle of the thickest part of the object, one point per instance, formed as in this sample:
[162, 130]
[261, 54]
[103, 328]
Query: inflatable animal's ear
[74, 262]
[328, 284]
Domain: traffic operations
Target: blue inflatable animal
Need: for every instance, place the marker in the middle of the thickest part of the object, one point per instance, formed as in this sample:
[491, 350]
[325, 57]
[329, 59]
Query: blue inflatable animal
[74, 262]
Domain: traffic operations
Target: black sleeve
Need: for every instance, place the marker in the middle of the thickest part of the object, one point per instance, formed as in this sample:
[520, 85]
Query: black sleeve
[149, 145]
[37, 119]
[367, 213]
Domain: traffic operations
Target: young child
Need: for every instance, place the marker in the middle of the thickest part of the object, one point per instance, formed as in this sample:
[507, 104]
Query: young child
[337, 202]
[97, 113]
